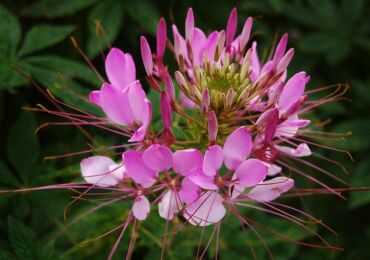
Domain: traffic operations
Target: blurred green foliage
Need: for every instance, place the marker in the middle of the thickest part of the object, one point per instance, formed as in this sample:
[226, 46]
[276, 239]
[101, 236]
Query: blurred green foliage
[332, 42]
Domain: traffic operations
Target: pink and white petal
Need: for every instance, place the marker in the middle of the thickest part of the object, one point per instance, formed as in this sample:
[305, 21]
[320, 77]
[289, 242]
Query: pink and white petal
[141, 208]
[292, 91]
[271, 189]
[96, 170]
[137, 170]
[158, 158]
[189, 192]
[115, 104]
[140, 133]
[237, 147]
[186, 102]
[251, 172]
[186, 160]
[206, 210]
[118, 171]
[198, 177]
[273, 169]
[120, 68]
[236, 189]
[213, 159]
[302, 150]
[94, 97]
[169, 205]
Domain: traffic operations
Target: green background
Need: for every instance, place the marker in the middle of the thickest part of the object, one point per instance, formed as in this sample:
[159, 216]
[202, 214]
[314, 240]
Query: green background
[332, 43]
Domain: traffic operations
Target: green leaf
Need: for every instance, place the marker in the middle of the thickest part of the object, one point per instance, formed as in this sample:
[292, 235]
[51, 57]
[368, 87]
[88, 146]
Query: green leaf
[67, 67]
[23, 240]
[276, 5]
[10, 30]
[111, 24]
[317, 43]
[42, 36]
[6, 176]
[361, 178]
[56, 8]
[145, 13]
[10, 33]
[23, 146]
[69, 91]
[5, 255]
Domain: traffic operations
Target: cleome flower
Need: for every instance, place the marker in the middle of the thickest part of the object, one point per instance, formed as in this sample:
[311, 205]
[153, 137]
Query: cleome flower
[228, 138]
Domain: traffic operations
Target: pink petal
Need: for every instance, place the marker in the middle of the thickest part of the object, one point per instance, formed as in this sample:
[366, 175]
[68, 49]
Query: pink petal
[197, 45]
[237, 147]
[169, 205]
[179, 44]
[231, 27]
[283, 64]
[198, 177]
[115, 104]
[158, 158]
[271, 189]
[206, 210]
[137, 100]
[189, 191]
[273, 169]
[189, 25]
[120, 68]
[213, 158]
[137, 170]
[186, 160]
[251, 172]
[211, 45]
[280, 49]
[206, 100]
[293, 90]
[166, 110]
[140, 133]
[101, 171]
[94, 97]
[255, 64]
[244, 37]
[141, 208]
[212, 126]
[146, 55]
[170, 89]
[161, 37]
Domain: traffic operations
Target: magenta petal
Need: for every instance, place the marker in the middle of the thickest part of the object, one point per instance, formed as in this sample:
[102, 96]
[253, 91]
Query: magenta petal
[120, 68]
[244, 37]
[237, 147]
[170, 89]
[293, 90]
[141, 131]
[198, 177]
[141, 208]
[255, 67]
[146, 55]
[101, 171]
[231, 26]
[213, 158]
[280, 49]
[206, 210]
[137, 170]
[189, 191]
[199, 40]
[211, 44]
[212, 126]
[161, 37]
[251, 172]
[186, 160]
[271, 189]
[166, 110]
[169, 205]
[115, 104]
[158, 158]
[94, 97]
[189, 25]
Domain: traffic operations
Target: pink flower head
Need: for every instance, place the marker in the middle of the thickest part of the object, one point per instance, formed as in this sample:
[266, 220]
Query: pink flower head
[124, 101]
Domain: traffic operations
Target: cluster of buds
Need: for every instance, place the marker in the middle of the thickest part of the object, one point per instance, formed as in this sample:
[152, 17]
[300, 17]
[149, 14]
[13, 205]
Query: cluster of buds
[229, 122]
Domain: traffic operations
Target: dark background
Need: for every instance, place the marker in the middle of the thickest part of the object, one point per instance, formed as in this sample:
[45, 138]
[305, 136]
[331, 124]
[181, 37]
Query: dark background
[332, 43]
